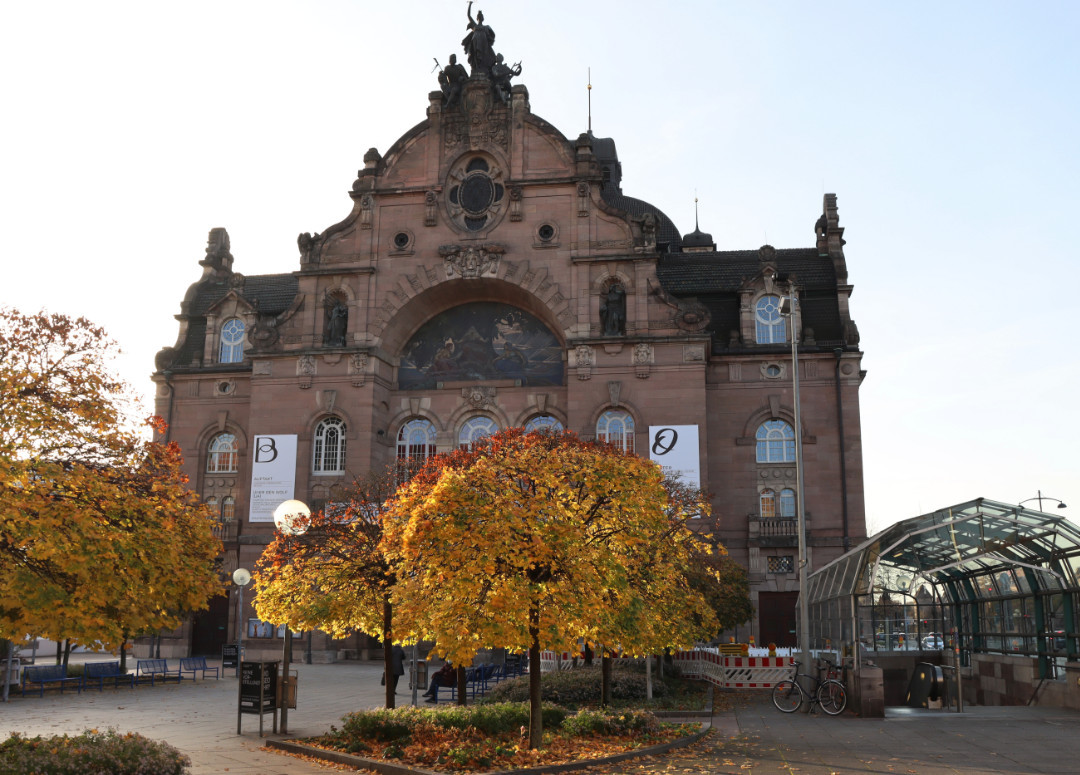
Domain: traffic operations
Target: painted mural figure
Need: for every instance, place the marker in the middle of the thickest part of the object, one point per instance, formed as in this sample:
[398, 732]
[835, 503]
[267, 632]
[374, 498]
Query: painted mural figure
[479, 43]
[613, 311]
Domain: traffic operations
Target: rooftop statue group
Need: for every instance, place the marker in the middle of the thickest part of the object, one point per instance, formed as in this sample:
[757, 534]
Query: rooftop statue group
[479, 50]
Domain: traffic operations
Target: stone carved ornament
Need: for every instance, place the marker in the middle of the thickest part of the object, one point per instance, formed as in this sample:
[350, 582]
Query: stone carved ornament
[471, 262]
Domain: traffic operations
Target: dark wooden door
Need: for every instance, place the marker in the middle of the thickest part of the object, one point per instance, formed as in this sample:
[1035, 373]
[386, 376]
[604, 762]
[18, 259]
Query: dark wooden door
[210, 629]
[776, 614]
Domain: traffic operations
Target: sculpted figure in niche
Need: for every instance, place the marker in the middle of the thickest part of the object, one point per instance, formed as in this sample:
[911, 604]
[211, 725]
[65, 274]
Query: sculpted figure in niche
[337, 323]
[500, 78]
[451, 79]
[478, 44]
[613, 311]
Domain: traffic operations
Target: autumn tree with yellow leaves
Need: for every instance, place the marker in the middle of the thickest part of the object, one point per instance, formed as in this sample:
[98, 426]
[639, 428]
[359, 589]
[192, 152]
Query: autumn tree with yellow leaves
[535, 540]
[100, 539]
[332, 573]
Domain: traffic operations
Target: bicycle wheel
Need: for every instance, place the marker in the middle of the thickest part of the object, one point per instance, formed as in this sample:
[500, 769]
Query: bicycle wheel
[787, 696]
[832, 697]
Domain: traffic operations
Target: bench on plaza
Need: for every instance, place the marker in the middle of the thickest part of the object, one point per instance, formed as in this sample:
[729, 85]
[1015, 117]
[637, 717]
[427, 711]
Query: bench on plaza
[155, 668]
[477, 681]
[46, 674]
[194, 665]
[102, 671]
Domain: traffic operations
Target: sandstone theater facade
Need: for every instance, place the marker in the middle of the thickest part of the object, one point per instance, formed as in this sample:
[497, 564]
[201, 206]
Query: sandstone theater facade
[492, 273]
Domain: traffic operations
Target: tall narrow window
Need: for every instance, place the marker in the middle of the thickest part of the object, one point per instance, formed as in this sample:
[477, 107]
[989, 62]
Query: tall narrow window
[416, 440]
[775, 442]
[768, 504]
[787, 503]
[212, 504]
[328, 455]
[770, 325]
[232, 341]
[616, 427]
[223, 455]
[474, 429]
[228, 508]
[543, 422]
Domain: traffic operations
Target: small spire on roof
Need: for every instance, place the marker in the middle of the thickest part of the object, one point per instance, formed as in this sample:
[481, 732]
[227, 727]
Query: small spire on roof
[589, 90]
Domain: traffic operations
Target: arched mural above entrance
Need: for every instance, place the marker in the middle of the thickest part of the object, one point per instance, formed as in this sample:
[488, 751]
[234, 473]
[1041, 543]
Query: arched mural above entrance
[481, 341]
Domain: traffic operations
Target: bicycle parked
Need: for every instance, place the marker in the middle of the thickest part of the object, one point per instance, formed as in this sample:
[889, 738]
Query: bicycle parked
[788, 695]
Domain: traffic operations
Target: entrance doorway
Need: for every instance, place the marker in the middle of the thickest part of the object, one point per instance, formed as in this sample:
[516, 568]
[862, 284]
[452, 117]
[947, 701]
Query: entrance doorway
[210, 628]
[776, 617]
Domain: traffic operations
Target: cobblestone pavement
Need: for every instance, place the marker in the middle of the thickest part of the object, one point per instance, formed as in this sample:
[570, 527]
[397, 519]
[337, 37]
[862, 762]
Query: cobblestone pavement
[749, 737]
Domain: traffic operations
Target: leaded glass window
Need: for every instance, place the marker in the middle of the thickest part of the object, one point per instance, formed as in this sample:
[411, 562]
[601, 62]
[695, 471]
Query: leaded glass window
[616, 427]
[232, 341]
[544, 422]
[223, 455]
[474, 429]
[770, 325]
[328, 456]
[775, 442]
[416, 440]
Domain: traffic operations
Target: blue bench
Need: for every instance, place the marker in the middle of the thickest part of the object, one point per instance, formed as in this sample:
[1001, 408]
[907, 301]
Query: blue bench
[477, 681]
[44, 674]
[100, 671]
[195, 664]
[155, 668]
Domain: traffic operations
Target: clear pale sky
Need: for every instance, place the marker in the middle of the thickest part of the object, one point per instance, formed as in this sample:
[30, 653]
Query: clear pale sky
[948, 131]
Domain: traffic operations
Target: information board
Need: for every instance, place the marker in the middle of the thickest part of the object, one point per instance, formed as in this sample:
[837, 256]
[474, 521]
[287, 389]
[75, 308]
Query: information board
[258, 687]
[273, 475]
[230, 655]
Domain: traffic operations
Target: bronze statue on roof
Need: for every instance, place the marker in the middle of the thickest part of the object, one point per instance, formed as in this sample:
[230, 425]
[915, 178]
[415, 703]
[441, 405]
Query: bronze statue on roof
[479, 44]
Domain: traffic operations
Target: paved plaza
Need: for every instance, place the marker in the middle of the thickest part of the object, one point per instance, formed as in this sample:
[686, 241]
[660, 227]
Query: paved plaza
[750, 735]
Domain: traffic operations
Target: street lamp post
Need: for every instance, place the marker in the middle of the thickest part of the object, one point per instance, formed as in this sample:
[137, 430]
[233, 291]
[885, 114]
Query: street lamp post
[788, 306]
[241, 578]
[1040, 498]
[290, 517]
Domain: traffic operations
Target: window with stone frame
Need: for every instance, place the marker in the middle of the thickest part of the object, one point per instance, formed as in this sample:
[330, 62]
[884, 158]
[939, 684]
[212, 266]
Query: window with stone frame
[767, 499]
[416, 440]
[787, 503]
[543, 422]
[474, 429]
[616, 427]
[223, 455]
[232, 341]
[228, 508]
[782, 564]
[212, 504]
[775, 442]
[328, 449]
[769, 325]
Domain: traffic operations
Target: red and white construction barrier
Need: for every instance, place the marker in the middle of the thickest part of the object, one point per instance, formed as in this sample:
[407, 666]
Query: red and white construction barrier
[734, 672]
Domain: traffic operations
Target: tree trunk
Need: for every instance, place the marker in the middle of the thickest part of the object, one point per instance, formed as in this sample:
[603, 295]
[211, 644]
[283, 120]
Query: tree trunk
[67, 654]
[605, 678]
[648, 678]
[536, 718]
[460, 676]
[123, 654]
[588, 655]
[388, 651]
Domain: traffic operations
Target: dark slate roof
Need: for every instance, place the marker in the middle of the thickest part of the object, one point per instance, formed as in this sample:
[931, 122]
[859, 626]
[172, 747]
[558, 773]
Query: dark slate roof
[698, 239]
[715, 278]
[269, 293]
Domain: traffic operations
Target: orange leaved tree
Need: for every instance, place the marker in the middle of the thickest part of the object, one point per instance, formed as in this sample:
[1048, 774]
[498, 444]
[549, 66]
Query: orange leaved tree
[99, 537]
[527, 541]
[334, 575]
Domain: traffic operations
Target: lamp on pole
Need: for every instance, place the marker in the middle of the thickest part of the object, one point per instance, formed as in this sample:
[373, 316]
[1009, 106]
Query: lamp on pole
[291, 517]
[788, 306]
[241, 578]
[1040, 498]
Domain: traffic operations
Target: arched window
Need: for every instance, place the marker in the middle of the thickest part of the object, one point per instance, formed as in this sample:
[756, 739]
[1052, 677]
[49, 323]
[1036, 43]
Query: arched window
[232, 341]
[223, 455]
[228, 508]
[416, 440]
[787, 503]
[474, 429]
[212, 504]
[775, 442]
[328, 455]
[768, 504]
[770, 324]
[543, 422]
[616, 427]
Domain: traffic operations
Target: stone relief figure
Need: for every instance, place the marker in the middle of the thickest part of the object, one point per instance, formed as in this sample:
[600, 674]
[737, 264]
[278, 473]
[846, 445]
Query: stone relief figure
[337, 322]
[500, 78]
[451, 79]
[478, 44]
[613, 311]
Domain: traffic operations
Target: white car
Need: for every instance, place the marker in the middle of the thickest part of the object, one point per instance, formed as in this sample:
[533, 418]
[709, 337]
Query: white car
[933, 642]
